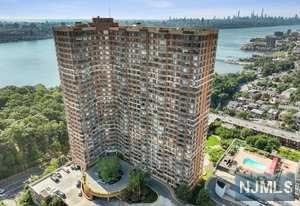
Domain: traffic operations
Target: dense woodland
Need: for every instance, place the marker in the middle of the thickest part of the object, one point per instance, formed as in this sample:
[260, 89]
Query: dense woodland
[268, 66]
[226, 86]
[296, 82]
[32, 127]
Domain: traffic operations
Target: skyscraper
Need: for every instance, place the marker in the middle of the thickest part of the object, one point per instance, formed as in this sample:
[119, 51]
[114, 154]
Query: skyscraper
[143, 92]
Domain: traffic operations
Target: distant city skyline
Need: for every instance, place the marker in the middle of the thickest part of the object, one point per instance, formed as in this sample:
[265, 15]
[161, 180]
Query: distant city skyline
[142, 9]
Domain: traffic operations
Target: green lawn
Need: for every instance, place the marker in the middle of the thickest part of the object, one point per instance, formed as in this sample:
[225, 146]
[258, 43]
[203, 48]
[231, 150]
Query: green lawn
[213, 148]
[289, 153]
[212, 141]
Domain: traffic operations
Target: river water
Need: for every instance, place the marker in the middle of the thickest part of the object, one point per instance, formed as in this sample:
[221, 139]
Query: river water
[34, 62]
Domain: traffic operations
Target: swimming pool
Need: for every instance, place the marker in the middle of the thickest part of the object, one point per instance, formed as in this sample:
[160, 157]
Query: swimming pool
[252, 163]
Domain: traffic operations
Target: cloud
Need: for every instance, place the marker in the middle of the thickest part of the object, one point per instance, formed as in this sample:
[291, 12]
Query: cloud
[159, 3]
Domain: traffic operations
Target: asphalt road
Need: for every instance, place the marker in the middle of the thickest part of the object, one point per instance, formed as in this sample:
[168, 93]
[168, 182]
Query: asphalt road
[162, 190]
[13, 185]
[211, 182]
[295, 136]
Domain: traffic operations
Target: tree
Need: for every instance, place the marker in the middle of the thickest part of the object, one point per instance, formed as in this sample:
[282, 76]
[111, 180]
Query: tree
[25, 198]
[251, 140]
[183, 192]
[56, 201]
[108, 168]
[227, 133]
[203, 198]
[295, 96]
[225, 143]
[215, 154]
[32, 127]
[245, 132]
[196, 195]
[273, 144]
[54, 164]
[137, 180]
[263, 142]
[269, 66]
[226, 86]
[9, 159]
[287, 118]
[242, 115]
[296, 80]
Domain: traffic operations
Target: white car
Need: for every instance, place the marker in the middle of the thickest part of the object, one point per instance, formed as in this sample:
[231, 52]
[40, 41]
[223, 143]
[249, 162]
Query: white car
[2, 192]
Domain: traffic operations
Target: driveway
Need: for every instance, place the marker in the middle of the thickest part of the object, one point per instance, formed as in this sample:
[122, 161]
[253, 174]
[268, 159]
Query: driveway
[210, 185]
[92, 177]
[165, 197]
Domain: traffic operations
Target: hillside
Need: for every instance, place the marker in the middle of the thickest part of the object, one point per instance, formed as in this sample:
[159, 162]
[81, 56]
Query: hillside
[32, 127]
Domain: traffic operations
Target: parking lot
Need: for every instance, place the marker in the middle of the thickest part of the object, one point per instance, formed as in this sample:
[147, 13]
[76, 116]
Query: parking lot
[66, 184]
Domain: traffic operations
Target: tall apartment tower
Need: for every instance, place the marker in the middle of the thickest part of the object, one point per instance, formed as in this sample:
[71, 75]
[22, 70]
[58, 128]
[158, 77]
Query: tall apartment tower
[143, 92]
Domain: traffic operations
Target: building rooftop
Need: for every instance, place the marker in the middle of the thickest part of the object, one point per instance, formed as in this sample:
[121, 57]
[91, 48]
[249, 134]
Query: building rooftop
[246, 166]
[108, 23]
[46, 187]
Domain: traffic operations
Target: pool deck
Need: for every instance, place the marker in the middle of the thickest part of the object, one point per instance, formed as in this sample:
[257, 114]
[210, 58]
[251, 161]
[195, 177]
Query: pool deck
[286, 166]
[231, 170]
[243, 154]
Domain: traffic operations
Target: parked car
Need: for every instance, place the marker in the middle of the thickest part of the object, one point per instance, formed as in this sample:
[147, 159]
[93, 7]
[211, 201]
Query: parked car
[2, 191]
[60, 194]
[75, 167]
[78, 183]
[54, 178]
[66, 170]
[58, 175]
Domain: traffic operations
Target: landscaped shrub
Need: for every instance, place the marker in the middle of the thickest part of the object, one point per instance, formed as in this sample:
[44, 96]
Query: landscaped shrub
[108, 168]
[263, 142]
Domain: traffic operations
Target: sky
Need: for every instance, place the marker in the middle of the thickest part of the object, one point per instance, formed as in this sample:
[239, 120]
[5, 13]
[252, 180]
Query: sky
[142, 9]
